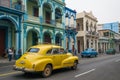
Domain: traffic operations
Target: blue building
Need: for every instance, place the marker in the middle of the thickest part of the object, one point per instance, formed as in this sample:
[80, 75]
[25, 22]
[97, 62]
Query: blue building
[24, 23]
[11, 12]
[71, 31]
[114, 26]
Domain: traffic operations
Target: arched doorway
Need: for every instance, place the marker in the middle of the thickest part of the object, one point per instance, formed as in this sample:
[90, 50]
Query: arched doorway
[58, 39]
[32, 38]
[7, 36]
[47, 37]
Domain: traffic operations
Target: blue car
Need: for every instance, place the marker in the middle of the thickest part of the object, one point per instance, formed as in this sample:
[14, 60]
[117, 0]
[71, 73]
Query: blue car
[89, 52]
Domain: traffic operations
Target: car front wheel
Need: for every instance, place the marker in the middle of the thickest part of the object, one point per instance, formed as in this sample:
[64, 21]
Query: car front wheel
[47, 71]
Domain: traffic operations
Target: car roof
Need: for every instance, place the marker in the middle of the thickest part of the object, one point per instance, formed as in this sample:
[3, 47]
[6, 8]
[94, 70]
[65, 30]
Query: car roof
[44, 47]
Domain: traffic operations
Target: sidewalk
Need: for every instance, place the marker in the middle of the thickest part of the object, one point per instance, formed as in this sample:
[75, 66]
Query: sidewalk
[5, 60]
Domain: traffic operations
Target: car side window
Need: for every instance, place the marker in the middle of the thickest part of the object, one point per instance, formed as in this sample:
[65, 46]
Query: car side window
[34, 50]
[93, 50]
[49, 51]
[55, 51]
[61, 51]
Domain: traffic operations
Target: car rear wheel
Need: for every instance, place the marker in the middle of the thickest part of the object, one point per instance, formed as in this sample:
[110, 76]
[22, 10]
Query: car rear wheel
[47, 71]
[74, 67]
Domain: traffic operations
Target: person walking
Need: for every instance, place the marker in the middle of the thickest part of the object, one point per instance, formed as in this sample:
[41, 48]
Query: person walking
[10, 54]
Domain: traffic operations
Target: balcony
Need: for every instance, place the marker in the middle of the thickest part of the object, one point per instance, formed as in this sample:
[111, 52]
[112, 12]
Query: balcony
[47, 22]
[18, 7]
[90, 33]
[15, 6]
[33, 19]
[71, 30]
[70, 26]
[62, 2]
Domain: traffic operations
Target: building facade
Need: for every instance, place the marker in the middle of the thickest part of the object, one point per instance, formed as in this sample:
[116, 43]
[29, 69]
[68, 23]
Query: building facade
[11, 12]
[114, 26]
[108, 39]
[70, 25]
[87, 36]
[44, 22]
[24, 23]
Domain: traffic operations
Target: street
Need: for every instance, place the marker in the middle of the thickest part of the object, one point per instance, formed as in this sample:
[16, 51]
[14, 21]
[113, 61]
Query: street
[103, 67]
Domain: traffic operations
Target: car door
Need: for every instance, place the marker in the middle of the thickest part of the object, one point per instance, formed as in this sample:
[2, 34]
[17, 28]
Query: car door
[56, 57]
[94, 52]
[63, 54]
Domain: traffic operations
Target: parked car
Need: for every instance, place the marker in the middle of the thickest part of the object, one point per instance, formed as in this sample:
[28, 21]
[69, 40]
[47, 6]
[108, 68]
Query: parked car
[89, 52]
[111, 51]
[45, 58]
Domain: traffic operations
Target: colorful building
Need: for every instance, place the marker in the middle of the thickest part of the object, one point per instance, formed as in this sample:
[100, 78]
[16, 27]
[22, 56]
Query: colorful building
[24, 23]
[70, 31]
[44, 22]
[11, 12]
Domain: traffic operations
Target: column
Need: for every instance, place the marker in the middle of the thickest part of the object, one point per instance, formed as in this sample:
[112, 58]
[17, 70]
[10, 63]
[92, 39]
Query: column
[41, 34]
[53, 16]
[41, 13]
[24, 38]
[63, 19]
[85, 45]
[17, 44]
[69, 21]
[9, 37]
[53, 37]
[74, 23]
[64, 40]
[75, 45]
[69, 44]
[25, 4]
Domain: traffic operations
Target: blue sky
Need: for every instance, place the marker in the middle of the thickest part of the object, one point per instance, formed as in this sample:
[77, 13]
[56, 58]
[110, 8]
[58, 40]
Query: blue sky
[105, 10]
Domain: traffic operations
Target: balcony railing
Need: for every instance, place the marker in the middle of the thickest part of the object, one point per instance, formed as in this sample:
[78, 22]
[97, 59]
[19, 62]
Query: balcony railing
[51, 22]
[44, 21]
[33, 18]
[92, 33]
[70, 26]
[14, 6]
[18, 7]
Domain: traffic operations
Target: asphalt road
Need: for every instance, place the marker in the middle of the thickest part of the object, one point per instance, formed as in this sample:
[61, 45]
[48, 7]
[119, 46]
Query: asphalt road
[105, 67]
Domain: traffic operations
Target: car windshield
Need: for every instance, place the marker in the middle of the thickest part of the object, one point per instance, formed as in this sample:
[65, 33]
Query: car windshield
[34, 50]
[88, 49]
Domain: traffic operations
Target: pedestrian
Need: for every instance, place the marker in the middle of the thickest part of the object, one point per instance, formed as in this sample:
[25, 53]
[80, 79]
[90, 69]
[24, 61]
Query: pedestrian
[10, 54]
[13, 50]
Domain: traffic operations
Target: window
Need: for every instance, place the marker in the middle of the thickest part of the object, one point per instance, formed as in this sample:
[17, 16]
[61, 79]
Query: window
[34, 50]
[49, 51]
[61, 51]
[106, 33]
[78, 26]
[35, 11]
[55, 51]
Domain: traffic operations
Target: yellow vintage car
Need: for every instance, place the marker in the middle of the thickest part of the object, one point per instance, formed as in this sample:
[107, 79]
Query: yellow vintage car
[45, 58]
